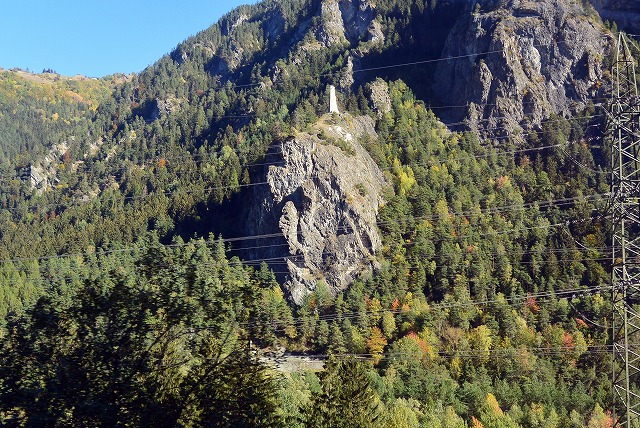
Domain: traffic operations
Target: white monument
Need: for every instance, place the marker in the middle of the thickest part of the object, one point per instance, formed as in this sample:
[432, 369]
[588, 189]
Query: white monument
[333, 103]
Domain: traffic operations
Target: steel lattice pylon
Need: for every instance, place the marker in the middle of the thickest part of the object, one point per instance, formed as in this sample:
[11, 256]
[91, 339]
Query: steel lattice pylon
[624, 134]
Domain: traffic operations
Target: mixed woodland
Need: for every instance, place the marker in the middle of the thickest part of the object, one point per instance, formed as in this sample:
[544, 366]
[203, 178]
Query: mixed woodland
[123, 301]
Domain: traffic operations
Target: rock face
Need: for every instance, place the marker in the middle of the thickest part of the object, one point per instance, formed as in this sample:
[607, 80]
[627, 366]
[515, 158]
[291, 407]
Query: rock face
[626, 13]
[320, 199]
[379, 95]
[43, 174]
[345, 21]
[331, 32]
[513, 65]
[358, 17]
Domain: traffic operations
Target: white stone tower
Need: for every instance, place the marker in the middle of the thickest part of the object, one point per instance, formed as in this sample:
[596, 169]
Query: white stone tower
[333, 103]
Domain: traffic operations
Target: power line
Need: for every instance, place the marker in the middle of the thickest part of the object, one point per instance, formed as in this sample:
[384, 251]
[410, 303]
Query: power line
[252, 264]
[75, 202]
[281, 261]
[399, 65]
[431, 107]
[339, 316]
[560, 119]
[464, 354]
[494, 210]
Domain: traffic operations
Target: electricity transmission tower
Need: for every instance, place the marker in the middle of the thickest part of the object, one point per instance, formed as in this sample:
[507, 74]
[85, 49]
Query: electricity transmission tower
[624, 134]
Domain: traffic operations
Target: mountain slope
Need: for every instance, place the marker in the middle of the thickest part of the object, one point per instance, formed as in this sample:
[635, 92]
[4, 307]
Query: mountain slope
[465, 272]
[180, 138]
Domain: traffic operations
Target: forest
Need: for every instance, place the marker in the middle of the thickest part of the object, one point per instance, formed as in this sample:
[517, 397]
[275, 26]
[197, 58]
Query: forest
[124, 300]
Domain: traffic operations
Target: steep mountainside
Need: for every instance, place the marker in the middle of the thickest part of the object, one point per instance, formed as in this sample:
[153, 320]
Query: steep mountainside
[184, 134]
[159, 231]
[513, 63]
[43, 110]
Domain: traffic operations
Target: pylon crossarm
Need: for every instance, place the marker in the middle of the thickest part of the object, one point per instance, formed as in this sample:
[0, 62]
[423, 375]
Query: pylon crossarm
[631, 324]
[632, 368]
[634, 359]
[633, 248]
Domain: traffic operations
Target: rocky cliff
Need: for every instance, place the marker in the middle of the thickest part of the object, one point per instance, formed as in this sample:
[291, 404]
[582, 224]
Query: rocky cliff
[625, 13]
[512, 66]
[320, 200]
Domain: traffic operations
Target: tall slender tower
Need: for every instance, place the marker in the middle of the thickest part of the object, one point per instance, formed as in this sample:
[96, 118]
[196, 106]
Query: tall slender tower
[623, 132]
[333, 102]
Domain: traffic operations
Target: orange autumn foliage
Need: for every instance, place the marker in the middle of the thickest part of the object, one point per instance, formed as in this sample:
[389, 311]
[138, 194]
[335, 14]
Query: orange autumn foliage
[475, 423]
[422, 344]
[376, 344]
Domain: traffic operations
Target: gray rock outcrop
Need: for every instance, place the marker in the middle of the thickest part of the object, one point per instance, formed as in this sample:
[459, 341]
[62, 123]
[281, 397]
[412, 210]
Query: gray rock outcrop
[625, 13]
[320, 200]
[378, 92]
[513, 66]
[345, 21]
[331, 32]
[44, 173]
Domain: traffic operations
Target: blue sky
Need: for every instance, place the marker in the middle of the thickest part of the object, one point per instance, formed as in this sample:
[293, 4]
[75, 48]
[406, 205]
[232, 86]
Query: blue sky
[97, 37]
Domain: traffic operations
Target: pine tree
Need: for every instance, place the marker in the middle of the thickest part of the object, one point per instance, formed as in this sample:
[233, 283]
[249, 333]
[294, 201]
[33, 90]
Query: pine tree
[347, 399]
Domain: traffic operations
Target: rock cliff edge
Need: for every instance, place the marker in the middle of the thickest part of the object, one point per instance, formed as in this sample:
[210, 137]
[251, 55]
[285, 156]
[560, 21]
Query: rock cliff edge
[320, 200]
